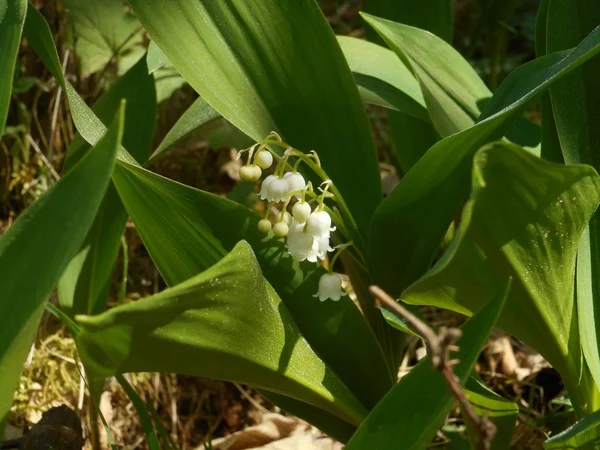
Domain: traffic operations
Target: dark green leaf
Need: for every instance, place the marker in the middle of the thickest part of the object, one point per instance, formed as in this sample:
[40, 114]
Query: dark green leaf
[263, 71]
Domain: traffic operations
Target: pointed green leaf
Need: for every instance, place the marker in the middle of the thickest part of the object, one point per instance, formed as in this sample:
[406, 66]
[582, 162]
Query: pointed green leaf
[12, 17]
[452, 89]
[83, 288]
[435, 16]
[524, 219]
[584, 435]
[382, 78]
[413, 411]
[37, 247]
[264, 71]
[404, 235]
[226, 323]
[200, 115]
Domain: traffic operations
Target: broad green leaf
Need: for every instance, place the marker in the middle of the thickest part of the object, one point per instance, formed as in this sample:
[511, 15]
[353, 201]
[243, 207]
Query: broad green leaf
[405, 235]
[274, 65]
[501, 412]
[226, 323]
[200, 115]
[83, 288]
[186, 230]
[103, 30]
[432, 15]
[413, 411]
[12, 17]
[576, 107]
[524, 219]
[382, 78]
[37, 247]
[584, 435]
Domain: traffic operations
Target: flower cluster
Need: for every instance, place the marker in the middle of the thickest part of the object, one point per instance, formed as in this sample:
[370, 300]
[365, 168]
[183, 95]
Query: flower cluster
[307, 229]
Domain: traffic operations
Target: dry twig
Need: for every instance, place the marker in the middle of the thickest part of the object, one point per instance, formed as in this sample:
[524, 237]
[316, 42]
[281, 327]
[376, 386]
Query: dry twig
[439, 347]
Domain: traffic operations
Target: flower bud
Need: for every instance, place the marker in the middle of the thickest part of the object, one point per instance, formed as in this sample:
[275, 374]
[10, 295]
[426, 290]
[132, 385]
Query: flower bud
[330, 287]
[296, 182]
[250, 173]
[301, 211]
[287, 218]
[263, 159]
[264, 225]
[281, 229]
[318, 224]
[277, 190]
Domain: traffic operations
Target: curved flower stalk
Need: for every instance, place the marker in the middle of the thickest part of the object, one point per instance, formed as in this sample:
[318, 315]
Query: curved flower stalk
[307, 230]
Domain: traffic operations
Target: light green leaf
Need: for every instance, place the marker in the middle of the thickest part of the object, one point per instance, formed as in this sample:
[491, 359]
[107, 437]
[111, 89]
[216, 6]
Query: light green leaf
[584, 435]
[382, 78]
[453, 91]
[168, 80]
[226, 323]
[37, 247]
[104, 30]
[524, 219]
[12, 17]
[83, 288]
[413, 411]
[263, 71]
[405, 235]
[576, 107]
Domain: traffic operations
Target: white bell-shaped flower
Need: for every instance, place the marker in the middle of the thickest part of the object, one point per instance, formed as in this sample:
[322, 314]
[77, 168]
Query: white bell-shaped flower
[277, 190]
[330, 287]
[324, 247]
[319, 224]
[263, 159]
[301, 245]
[301, 211]
[264, 188]
[296, 182]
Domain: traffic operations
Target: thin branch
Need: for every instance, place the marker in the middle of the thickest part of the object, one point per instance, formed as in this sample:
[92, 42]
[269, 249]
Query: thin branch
[439, 347]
